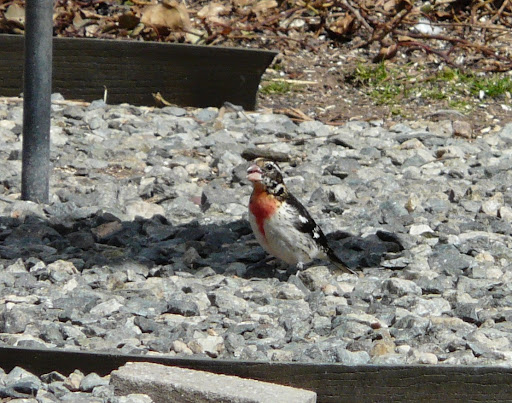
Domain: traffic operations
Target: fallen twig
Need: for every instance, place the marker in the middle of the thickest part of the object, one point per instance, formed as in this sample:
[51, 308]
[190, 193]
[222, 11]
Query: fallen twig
[294, 113]
[357, 14]
[429, 49]
[297, 82]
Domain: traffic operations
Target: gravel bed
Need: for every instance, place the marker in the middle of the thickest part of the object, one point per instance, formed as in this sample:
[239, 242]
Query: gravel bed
[145, 247]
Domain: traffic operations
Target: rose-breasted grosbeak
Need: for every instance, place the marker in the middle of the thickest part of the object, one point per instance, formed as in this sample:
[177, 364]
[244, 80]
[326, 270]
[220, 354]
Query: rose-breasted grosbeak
[281, 224]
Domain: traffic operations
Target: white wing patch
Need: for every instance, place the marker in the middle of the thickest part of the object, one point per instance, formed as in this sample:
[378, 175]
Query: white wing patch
[316, 235]
[303, 219]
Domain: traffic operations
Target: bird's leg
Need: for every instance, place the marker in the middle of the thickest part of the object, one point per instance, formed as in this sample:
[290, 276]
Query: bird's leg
[294, 270]
[301, 265]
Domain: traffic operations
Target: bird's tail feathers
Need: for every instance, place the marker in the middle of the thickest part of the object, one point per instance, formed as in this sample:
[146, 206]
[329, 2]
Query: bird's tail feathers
[338, 262]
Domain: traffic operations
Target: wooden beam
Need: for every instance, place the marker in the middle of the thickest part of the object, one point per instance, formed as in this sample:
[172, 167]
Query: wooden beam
[331, 382]
[132, 71]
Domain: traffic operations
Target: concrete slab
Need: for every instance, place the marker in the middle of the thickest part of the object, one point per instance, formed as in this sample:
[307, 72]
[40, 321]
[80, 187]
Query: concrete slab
[179, 385]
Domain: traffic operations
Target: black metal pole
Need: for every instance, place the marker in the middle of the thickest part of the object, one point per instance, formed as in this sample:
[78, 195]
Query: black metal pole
[35, 176]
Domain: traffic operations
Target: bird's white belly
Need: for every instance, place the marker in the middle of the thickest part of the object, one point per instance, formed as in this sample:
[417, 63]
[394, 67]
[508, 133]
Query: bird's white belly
[283, 240]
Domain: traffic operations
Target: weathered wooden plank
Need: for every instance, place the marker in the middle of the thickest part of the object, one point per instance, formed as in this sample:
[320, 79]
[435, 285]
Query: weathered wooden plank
[131, 71]
[331, 382]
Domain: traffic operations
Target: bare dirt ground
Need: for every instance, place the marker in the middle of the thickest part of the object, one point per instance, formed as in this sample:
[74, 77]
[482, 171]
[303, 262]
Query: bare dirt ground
[329, 95]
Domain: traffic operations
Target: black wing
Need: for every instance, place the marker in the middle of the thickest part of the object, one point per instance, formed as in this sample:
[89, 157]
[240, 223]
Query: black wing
[305, 223]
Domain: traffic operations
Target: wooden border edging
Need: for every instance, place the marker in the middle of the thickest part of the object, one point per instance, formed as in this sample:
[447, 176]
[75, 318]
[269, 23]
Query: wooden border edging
[331, 382]
[131, 71]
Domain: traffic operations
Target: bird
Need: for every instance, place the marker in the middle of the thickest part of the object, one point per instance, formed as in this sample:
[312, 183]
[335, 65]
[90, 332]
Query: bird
[281, 224]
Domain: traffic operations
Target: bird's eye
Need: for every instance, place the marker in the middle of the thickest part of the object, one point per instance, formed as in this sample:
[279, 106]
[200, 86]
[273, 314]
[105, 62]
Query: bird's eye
[269, 166]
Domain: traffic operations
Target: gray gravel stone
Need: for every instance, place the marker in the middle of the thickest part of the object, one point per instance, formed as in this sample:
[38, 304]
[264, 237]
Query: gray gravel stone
[506, 133]
[135, 398]
[183, 305]
[400, 287]
[447, 259]
[91, 381]
[347, 357]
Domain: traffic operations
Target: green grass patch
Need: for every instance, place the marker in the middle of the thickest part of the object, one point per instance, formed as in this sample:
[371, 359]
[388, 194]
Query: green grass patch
[277, 87]
[492, 86]
[392, 85]
[385, 85]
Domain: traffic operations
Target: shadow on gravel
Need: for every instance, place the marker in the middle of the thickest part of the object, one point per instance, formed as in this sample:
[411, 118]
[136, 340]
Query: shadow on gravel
[101, 239]
[358, 252]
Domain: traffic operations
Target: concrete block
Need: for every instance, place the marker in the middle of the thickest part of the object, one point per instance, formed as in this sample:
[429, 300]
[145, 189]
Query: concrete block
[179, 385]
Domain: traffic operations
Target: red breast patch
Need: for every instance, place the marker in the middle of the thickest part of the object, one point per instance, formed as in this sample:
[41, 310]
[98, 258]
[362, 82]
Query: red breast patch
[262, 206]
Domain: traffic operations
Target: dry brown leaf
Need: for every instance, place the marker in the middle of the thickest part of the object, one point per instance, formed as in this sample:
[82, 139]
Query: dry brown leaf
[91, 14]
[92, 31]
[160, 100]
[389, 6]
[404, 5]
[263, 6]
[242, 3]
[79, 22]
[386, 52]
[212, 12]
[294, 114]
[128, 20]
[109, 26]
[343, 25]
[137, 30]
[442, 14]
[168, 15]
[404, 38]
[16, 14]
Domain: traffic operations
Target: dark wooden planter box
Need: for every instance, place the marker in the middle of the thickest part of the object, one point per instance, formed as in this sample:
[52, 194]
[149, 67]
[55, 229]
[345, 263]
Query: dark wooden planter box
[132, 71]
[332, 382]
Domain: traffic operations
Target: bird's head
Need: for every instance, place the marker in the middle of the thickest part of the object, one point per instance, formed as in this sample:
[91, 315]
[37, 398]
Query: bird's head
[266, 173]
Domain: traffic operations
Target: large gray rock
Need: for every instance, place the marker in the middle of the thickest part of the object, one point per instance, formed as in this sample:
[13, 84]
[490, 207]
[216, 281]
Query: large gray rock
[171, 384]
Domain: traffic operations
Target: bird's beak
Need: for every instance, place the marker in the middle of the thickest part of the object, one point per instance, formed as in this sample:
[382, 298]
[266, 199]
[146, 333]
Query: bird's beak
[254, 173]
